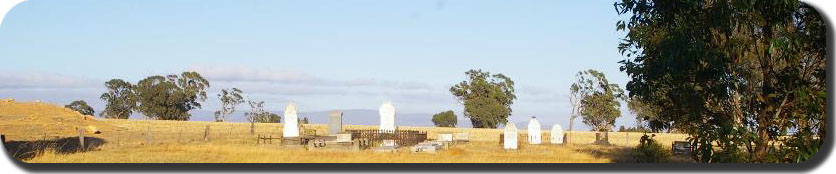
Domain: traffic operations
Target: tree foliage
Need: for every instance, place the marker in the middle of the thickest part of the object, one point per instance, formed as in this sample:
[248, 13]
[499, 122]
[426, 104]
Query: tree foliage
[171, 97]
[445, 119]
[646, 115]
[258, 114]
[739, 76]
[487, 98]
[81, 107]
[599, 99]
[230, 98]
[120, 99]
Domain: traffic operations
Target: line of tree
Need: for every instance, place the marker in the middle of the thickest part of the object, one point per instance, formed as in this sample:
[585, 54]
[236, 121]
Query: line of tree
[745, 79]
[171, 97]
[168, 97]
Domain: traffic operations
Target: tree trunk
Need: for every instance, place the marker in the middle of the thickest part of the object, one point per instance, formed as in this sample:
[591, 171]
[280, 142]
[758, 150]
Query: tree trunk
[252, 128]
[569, 134]
[763, 118]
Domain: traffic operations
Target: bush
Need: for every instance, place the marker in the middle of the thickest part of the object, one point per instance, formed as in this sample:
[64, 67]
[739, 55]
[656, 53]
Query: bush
[81, 106]
[445, 119]
[650, 151]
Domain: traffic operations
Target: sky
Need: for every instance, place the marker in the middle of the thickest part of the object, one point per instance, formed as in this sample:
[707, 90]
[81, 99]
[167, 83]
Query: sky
[322, 54]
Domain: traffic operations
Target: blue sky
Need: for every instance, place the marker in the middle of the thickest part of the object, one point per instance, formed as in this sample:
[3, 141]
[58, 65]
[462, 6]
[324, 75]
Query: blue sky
[322, 54]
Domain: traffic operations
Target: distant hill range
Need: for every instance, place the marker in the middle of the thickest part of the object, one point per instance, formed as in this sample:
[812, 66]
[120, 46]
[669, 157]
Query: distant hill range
[350, 117]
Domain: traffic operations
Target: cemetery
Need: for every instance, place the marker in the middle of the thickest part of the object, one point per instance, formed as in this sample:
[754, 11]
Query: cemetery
[119, 140]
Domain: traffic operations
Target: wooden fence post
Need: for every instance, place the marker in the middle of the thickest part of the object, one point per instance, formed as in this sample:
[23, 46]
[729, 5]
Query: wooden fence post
[180, 137]
[81, 139]
[206, 133]
[150, 138]
[627, 140]
[118, 138]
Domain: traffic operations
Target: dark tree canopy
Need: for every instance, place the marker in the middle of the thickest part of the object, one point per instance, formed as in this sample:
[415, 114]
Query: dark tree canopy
[445, 119]
[746, 79]
[120, 99]
[304, 120]
[81, 107]
[171, 97]
[646, 115]
[487, 98]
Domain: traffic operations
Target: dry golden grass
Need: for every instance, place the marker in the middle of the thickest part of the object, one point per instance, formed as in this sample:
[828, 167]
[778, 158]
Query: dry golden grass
[154, 141]
[33, 120]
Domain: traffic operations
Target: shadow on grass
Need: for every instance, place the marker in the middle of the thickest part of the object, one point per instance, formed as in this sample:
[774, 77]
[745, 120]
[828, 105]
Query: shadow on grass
[617, 154]
[24, 150]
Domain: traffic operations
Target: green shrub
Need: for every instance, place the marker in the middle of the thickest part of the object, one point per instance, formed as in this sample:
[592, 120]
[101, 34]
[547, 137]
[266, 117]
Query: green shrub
[445, 119]
[650, 151]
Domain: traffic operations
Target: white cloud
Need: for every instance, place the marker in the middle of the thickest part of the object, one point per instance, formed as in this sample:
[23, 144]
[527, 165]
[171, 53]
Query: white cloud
[263, 80]
[16, 80]
[246, 74]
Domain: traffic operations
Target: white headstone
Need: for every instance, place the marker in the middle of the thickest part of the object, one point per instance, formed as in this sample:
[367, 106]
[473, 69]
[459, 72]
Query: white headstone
[387, 117]
[510, 136]
[534, 133]
[291, 121]
[557, 134]
[335, 123]
[445, 137]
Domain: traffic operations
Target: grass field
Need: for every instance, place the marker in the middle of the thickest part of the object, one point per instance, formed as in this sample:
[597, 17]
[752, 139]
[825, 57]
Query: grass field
[153, 141]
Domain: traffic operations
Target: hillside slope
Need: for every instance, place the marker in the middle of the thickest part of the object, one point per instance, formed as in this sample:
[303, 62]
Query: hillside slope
[33, 120]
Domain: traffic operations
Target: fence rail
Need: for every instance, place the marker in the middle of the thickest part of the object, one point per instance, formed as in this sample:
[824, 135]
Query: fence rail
[401, 137]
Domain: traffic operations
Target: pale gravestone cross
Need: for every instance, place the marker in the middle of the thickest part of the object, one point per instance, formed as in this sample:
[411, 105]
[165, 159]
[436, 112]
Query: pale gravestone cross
[291, 121]
[387, 117]
[510, 136]
[557, 134]
[335, 126]
[534, 132]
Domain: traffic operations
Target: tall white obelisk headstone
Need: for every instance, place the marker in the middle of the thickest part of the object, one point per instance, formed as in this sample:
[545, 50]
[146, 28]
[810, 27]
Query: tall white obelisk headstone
[557, 134]
[387, 117]
[291, 121]
[510, 136]
[534, 133]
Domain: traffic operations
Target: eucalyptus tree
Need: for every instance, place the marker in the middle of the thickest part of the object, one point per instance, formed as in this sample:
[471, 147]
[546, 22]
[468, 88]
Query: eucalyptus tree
[230, 99]
[746, 79]
[487, 98]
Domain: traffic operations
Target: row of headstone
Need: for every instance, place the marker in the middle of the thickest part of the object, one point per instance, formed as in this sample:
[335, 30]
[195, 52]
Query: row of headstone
[335, 124]
[534, 134]
[387, 123]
